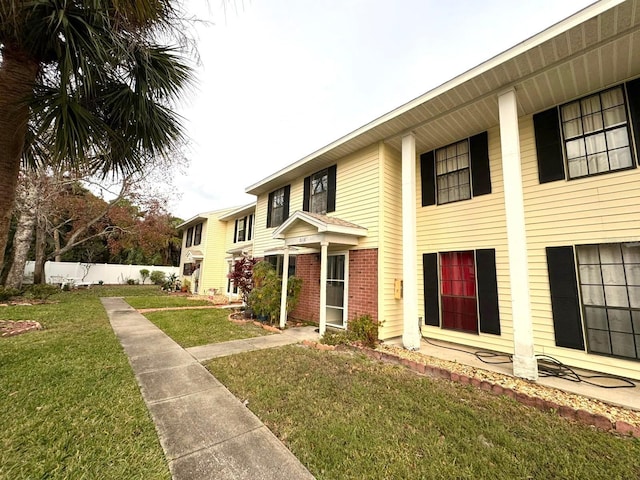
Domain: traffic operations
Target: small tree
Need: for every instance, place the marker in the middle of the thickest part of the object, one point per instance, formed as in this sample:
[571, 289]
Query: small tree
[144, 273]
[241, 276]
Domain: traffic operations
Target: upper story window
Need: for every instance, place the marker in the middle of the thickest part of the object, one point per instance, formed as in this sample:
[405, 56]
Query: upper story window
[278, 207]
[197, 234]
[320, 191]
[456, 172]
[243, 229]
[452, 172]
[318, 195]
[596, 134]
[589, 136]
[189, 240]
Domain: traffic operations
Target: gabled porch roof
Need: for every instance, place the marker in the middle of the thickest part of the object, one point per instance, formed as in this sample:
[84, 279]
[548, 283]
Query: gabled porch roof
[319, 229]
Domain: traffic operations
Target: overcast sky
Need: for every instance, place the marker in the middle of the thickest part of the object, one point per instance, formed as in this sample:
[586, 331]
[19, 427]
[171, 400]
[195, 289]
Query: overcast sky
[280, 79]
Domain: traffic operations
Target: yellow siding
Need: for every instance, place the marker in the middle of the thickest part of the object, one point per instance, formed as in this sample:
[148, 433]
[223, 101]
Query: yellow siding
[357, 192]
[301, 229]
[214, 266]
[390, 245]
[589, 210]
[470, 225]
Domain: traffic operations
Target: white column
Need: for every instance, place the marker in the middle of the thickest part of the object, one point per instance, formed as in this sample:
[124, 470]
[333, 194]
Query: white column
[324, 247]
[411, 332]
[285, 281]
[524, 361]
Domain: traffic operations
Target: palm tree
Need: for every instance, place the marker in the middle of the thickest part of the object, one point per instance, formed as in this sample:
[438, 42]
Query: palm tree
[89, 83]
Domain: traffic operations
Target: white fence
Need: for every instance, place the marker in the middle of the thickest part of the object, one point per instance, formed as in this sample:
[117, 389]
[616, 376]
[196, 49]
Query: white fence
[93, 273]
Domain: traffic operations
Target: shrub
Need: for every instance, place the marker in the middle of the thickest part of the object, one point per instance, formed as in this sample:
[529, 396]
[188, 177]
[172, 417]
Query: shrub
[361, 330]
[131, 281]
[7, 293]
[265, 297]
[364, 330]
[172, 283]
[41, 292]
[144, 274]
[157, 277]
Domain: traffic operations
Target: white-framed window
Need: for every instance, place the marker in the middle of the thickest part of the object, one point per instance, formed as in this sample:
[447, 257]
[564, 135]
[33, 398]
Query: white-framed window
[277, 207]
[318, 194]
[241, 225]
[197, 234]
[609, 282]
[452, 172]
[243, 229]
[596, 135]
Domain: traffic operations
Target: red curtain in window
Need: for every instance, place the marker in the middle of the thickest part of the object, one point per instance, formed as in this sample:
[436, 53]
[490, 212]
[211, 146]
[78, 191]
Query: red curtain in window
[458, 291]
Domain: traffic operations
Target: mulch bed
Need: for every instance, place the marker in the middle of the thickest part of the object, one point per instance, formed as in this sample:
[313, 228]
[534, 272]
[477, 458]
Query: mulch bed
[10, 329]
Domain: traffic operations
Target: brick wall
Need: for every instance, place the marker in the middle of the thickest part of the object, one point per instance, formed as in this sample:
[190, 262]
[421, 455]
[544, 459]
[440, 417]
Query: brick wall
[363, 285]
[308, 269]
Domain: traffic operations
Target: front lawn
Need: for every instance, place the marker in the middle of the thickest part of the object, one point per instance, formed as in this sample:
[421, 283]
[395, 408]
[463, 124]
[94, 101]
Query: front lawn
[347, 417]
[69, 404]
[191, 328]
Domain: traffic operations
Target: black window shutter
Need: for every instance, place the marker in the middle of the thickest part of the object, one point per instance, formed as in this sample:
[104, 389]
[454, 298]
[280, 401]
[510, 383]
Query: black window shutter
[633, 94]
[549, 146]
[430, 281]
[249, 227]
[285, 210]
[480, 173]
[487, 291]
[331, 190]
[565, 304]
[428, 178]
[306, 194]
[269, 205]
[235, 232]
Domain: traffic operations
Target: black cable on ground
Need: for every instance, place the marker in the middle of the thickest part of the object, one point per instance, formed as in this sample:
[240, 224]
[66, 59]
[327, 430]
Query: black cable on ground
[547, 367]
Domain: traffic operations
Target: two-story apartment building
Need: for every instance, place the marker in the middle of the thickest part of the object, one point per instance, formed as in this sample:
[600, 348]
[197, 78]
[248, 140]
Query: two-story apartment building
[211, 241]
[504, 200]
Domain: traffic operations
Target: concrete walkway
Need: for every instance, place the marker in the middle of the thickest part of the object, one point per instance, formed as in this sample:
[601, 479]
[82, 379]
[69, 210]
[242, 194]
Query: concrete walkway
[205, 431]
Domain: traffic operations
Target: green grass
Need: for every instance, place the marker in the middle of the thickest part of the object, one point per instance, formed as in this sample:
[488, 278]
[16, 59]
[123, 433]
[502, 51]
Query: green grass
[165, 301]
[191, 328]
[347, 417]
[69, 404]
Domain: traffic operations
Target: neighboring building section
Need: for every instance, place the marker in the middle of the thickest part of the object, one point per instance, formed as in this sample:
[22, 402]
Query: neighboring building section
[209, 242]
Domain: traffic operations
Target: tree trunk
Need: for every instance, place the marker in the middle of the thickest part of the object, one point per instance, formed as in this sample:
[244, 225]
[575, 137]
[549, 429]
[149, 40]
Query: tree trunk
[21, 244]
[18, 74]
[56, 245]
[41, 241]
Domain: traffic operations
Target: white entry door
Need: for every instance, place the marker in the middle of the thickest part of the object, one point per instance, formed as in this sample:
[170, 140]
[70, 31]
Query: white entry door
[336, 288]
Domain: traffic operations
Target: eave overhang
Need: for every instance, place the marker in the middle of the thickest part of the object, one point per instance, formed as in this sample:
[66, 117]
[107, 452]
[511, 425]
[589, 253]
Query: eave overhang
[595, 48]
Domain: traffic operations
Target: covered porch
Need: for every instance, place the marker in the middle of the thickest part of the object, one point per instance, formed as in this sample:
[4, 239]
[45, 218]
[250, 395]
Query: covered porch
[332, 238]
